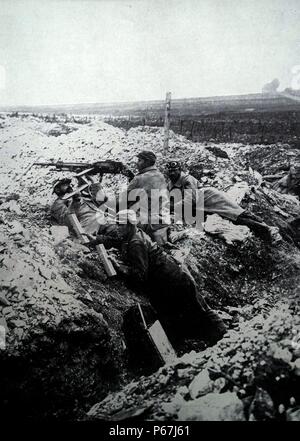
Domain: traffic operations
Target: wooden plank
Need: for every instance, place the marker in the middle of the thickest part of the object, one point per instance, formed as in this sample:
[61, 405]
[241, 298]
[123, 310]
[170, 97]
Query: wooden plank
[79, 231]
[78, 190]
[109, 268]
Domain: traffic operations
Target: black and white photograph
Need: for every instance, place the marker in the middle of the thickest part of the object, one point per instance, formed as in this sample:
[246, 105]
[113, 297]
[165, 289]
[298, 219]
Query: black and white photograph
[149, 213]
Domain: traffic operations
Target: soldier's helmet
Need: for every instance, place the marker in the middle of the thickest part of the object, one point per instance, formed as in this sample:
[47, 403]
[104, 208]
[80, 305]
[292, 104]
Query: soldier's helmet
[173, 165]
[60, 183]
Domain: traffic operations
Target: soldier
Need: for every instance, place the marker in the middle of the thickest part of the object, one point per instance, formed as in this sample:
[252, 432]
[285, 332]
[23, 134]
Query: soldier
[87, 209]
[171, 289]
[217, 202]
[290, 183]
[154, 220]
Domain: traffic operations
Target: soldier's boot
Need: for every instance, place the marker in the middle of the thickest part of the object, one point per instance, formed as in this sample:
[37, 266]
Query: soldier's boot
[259, 228]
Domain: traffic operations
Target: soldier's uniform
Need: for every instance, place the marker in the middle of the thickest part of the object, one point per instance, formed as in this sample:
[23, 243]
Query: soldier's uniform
[90, 216]
[288, 185]
[213, 200]
[172, 291]
[154, 220]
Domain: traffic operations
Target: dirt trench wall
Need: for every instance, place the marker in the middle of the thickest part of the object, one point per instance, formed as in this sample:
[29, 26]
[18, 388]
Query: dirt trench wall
[57, 370]
[59, 349]
[62, 316]
[239, 274]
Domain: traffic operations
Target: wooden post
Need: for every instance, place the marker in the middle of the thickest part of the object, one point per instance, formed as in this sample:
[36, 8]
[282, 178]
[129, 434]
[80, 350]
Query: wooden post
[79, 231]
[215, 130]
[181, 126]
[192, 129]
[167, 122]
[262, 134]
[77, 227]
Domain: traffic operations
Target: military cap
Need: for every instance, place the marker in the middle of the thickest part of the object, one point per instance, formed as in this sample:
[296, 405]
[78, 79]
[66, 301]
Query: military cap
[147, 154]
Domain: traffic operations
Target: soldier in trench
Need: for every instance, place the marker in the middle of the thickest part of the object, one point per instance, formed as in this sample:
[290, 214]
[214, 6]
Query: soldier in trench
[89, 209]
[216, 202]
[170, 288]
[290, 184]
[154, 220]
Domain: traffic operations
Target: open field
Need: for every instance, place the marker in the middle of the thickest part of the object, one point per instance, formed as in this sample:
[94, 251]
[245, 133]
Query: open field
[253, 118]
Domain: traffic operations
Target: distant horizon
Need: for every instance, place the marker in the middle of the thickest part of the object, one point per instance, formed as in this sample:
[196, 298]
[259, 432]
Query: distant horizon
[140, 101]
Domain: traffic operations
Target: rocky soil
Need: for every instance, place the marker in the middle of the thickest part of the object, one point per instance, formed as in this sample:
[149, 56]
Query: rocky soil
[62, 317]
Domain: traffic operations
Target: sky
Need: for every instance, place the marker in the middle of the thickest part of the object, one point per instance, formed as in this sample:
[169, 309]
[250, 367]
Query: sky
[85, 51]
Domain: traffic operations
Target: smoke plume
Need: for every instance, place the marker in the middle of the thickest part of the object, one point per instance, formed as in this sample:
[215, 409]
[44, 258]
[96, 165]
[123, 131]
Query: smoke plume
[271, 87]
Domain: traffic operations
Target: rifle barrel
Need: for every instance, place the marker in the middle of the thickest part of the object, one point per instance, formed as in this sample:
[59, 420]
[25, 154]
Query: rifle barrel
[46, 164]
[61, 164]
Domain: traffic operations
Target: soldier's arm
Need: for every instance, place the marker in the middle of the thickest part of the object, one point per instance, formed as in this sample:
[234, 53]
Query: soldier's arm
[191, 194]
[134, 183]
[124, 201]
[106, 239]
[59, 211]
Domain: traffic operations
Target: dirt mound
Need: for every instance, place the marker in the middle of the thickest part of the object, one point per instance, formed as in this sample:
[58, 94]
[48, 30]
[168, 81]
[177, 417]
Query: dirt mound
[269, 159]
[63, 317]
[62, 331]
[253, 374]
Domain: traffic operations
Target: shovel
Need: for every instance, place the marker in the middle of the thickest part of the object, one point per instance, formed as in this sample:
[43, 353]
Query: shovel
[159, 339]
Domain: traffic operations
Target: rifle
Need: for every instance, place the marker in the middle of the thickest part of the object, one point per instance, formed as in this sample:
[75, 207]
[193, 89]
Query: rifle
[89, 168]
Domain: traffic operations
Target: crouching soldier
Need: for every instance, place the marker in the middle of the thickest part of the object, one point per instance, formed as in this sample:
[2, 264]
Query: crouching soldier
[88, 209]
[171, 290]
